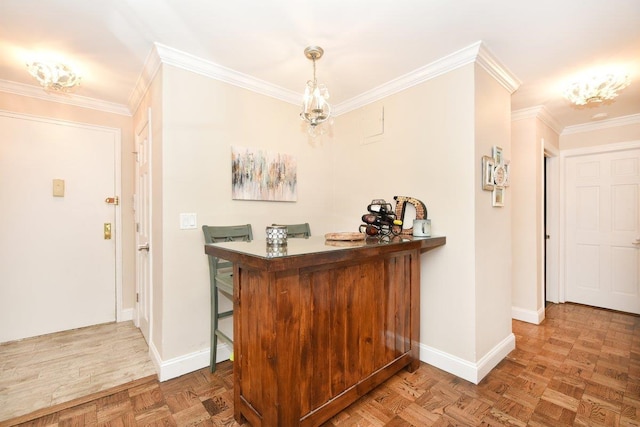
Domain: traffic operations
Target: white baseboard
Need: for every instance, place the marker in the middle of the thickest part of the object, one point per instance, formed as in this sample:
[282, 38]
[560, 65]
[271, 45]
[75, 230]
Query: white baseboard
[472, 372]
[126, 315]
[181, 365]
[529, 316]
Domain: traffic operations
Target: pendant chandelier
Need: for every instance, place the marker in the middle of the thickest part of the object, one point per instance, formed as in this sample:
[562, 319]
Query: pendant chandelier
[315, 108]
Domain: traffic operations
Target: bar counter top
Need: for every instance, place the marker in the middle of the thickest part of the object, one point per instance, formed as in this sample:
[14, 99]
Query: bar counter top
[302, 252]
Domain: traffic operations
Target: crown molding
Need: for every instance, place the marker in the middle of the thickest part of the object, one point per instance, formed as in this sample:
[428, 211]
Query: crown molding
[538, 112]
[632, 119]
[186, 61]
[476, 52]
[149, 70]
[487, 60]
[63, 98]
[161, 54]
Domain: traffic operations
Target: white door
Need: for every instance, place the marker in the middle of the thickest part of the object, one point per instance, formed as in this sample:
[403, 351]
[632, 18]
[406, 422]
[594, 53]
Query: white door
[143, 225]
[57, 270]
[603, 230]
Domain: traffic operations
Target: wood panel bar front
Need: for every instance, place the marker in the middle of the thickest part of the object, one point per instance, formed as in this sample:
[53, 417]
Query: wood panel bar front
[322, 325]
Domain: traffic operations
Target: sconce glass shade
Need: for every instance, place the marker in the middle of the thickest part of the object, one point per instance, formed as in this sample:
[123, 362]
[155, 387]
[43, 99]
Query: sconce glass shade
[315, 107]
[55, 77]
[596, 89]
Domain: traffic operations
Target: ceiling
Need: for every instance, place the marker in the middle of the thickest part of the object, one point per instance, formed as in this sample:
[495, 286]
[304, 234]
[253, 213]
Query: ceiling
[543, 43]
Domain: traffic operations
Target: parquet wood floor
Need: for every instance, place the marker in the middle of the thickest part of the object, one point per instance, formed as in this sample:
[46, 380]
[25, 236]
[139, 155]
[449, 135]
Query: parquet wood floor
[581, 367]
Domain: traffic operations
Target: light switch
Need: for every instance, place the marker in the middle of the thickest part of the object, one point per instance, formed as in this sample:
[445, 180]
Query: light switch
[58, 188]
[188, 221]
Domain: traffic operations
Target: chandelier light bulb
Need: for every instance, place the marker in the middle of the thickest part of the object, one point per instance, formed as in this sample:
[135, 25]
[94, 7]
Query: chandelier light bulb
[596, 88]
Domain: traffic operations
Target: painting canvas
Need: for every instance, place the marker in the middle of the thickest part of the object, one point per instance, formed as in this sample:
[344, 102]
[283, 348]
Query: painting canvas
[263, 175]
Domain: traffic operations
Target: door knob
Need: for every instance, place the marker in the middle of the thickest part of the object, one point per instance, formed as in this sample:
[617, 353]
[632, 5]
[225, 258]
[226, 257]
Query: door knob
[144, 247]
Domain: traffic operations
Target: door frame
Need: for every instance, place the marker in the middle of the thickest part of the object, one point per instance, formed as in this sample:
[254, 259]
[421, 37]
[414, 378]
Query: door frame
[117, 228]
[145, 122]
[551, 246]
[577, 152]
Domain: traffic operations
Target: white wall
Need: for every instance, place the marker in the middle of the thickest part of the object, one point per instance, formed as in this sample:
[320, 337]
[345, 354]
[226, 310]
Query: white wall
[202, 119]
[530, 137]
[526, 196]
[434, 136]
[494, 339]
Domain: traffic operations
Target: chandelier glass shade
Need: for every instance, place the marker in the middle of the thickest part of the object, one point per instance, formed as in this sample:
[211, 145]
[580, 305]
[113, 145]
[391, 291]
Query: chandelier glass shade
[54, 76]
[596, 89]
[315, 107]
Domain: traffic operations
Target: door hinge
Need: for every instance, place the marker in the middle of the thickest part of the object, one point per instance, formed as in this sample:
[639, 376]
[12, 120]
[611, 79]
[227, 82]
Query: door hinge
[137, 297]
[112, 200]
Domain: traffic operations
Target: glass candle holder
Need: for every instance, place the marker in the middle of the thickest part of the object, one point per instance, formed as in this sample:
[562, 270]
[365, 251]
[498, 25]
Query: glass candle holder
[276, 235]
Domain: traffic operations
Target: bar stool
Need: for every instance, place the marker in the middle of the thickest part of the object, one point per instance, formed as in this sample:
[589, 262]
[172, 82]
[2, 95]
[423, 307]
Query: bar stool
[297, 230]
[221, 279]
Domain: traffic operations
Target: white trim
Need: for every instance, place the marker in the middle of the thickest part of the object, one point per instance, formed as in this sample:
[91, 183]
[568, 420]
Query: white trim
[604, 148]
[633, 119]
[69, 99]
[154, 354]
[476, 52]
[191, 362]
[149, 71]
[161, 54]
[529, 316]
[487, 60]
[539, 112]
[118, 219]
[552, 245]
[473, 372]
[126, 315]
[145, 123]
[186, 61]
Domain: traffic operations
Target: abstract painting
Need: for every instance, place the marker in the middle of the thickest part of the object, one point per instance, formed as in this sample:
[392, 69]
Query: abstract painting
[263, 175]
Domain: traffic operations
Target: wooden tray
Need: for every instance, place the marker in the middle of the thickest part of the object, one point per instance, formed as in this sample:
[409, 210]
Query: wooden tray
[345, 236]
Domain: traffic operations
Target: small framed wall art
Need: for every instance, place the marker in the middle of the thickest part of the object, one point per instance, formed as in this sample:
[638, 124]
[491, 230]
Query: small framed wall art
[495, 175]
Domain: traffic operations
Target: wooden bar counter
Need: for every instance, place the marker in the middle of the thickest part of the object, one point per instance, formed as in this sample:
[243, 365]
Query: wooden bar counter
[318, 324]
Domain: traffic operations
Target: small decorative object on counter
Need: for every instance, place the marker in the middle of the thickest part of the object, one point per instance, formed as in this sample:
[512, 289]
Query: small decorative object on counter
[421, 214]
[422, 227]
[276, 235]
[380, 219]
[345, 236]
